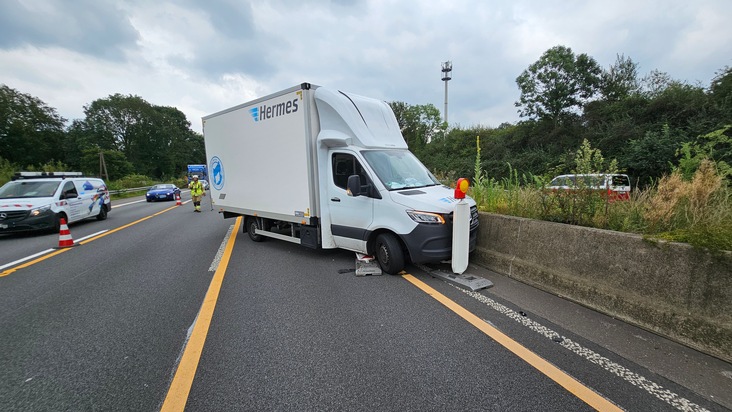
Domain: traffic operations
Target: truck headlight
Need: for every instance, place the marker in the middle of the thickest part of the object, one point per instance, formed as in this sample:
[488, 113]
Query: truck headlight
[39, 210]
[426, 217]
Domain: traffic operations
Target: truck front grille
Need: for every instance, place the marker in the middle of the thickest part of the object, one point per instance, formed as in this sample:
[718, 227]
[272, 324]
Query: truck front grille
[13, 215]
[474, 222]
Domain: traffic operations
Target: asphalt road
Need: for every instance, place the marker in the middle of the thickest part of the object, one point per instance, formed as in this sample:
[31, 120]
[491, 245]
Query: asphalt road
[113, 323]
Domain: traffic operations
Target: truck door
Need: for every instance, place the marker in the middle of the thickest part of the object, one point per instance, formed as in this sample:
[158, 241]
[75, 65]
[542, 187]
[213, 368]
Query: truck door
[75, 204]
[350, 216]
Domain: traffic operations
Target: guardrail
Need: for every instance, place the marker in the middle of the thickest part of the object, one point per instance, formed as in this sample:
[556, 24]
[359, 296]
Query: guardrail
[132, 189]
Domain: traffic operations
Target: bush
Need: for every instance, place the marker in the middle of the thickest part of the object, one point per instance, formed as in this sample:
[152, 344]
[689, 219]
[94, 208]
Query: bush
[131, 181]
[698, 212]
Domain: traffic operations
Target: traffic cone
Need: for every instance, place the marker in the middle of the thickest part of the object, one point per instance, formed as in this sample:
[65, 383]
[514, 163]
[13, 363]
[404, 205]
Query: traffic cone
[64, 236]
[177, 200]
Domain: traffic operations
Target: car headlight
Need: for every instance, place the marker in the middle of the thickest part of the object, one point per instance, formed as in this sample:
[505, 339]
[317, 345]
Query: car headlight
[426, 217]
[37, 211]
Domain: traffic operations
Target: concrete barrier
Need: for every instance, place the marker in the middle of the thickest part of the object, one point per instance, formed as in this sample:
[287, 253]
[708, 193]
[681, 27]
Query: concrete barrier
[672, 289]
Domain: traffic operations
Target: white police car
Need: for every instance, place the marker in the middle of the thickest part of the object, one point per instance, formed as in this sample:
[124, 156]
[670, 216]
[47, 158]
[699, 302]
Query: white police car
[38, 200]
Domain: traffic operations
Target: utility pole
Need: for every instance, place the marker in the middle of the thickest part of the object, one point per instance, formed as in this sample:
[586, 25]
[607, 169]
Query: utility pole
[103, 167]
[446, 76]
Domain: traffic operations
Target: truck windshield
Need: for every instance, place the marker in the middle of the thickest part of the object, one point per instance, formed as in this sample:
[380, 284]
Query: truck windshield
[20, 189]
[399, 169]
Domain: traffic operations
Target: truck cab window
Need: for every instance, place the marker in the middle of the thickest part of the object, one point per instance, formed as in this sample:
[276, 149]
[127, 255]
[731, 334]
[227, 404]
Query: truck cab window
[345, 165]
[70, 190]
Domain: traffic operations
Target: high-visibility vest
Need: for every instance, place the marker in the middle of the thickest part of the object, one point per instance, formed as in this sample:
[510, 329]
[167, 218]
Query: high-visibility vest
[196, 188]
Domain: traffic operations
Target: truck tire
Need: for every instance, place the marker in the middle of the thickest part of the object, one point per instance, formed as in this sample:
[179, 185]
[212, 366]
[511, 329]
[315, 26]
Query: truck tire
[56, 226]
[251, 226]
[389, 253]
[102, 213]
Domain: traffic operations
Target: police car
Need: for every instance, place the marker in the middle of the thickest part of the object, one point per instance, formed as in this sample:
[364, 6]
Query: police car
[39, 200]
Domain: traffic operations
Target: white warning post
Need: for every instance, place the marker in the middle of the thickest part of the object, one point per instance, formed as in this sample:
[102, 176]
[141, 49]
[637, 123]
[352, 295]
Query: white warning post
[461, 228]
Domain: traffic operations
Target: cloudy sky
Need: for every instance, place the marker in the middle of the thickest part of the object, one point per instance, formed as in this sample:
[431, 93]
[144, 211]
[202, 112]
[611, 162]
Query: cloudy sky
[205, 56]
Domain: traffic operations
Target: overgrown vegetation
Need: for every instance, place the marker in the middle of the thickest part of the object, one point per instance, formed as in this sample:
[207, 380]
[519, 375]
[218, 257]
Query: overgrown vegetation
[695, 210]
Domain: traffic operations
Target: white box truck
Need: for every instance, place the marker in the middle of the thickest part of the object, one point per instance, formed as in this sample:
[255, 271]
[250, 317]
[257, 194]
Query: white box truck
[328, 169]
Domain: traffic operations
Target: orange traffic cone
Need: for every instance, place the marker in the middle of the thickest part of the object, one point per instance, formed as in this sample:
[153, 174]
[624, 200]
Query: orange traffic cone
[64, 236]
[177, 200]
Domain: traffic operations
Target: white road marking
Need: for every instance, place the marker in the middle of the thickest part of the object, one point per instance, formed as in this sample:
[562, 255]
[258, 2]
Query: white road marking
[653, 388]
[220, 253]
[90, 236]
[7, 265]
[116, 205]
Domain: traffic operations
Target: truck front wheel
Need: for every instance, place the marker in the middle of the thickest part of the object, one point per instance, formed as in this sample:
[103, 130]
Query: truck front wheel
[251, 226]
[102, 213]
[389, 253]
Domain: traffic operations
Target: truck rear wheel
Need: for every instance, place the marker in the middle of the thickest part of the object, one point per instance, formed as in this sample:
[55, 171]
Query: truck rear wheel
[251, 226]
[389, 253]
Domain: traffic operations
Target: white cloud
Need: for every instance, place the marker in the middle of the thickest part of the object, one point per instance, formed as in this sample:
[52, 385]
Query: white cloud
[205, 57]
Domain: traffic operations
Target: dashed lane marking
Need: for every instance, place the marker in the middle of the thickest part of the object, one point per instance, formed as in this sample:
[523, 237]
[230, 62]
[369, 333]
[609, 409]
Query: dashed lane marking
[569, 383]
[635, 379]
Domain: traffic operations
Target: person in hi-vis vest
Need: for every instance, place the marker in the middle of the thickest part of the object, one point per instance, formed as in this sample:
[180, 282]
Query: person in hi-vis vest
[197, 192]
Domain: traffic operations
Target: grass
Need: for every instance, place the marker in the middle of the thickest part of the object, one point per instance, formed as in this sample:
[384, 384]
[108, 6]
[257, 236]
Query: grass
[696, 211]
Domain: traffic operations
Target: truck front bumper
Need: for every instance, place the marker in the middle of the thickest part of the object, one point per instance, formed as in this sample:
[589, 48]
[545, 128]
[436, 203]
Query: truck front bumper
[25, 223]
[433, 243]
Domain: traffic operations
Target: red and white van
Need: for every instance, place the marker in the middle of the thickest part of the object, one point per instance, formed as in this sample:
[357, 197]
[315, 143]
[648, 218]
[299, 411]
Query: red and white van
[39, 200]
[616, 186]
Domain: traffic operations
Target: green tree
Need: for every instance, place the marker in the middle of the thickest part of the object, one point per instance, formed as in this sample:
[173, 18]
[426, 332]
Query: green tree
[115, 162]
[656, 82]
[419, 124]
[715, 147]
[652, 155]
[156, 140]
[588, 160]
[720, 92]
[620, 80]
[558, 84]
[451, 156]
[31, 133]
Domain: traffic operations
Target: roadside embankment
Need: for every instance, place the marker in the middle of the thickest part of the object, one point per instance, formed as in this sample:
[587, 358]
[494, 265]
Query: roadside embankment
[672, 289]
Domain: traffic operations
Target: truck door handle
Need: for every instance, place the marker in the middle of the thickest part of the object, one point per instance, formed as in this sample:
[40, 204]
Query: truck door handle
[335, 199]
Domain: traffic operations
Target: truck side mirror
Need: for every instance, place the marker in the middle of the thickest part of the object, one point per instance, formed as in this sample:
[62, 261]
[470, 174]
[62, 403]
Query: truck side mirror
[354, 185]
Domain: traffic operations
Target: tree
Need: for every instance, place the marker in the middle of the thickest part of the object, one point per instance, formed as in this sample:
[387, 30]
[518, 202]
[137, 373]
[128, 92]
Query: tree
[116, 163]
[588, 160]
[651, 156]
[156, 140]
[558, 84]
[656, 82]
[419, 124]
[620, 80]
[451, 156]
[715, 147]
[31, 133]
[721, 94]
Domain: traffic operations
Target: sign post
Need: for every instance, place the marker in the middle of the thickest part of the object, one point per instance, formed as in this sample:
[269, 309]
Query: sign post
[461, 228]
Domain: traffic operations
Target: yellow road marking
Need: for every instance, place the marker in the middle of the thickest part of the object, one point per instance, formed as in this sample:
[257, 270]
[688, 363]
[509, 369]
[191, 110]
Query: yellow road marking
[579, 390]
[91, 239]
[183, 380]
